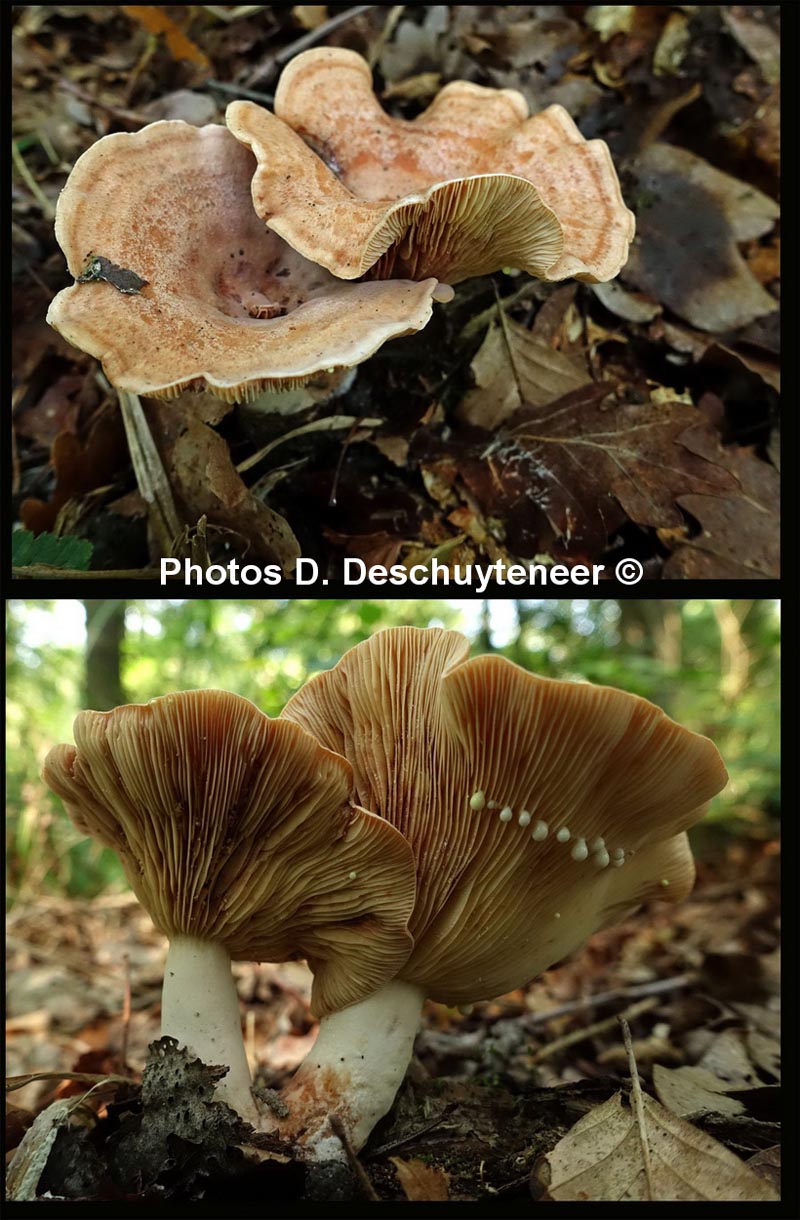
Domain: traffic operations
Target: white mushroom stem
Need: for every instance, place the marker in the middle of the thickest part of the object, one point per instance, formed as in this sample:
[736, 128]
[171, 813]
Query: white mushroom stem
[200, 1008]
[354, 1069]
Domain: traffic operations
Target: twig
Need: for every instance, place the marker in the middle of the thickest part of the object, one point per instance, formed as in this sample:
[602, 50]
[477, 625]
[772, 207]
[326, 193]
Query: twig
[329, 424]
[33, 186]
[638, 1105]
[266, 99]
[658, 987]
[19, 1082]
[481, 319]
[407, 1139]
[589, 1031]
[375, 51]
[149, 469]
[45, 571]
[501, 314]
[265, 69]
[358, 1170]
[337, 474]
[118, 112]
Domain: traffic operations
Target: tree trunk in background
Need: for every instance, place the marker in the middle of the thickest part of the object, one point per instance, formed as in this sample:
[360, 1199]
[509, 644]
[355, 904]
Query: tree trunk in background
[519, 645]
[483, 637]
[654, 628]
[105, 632]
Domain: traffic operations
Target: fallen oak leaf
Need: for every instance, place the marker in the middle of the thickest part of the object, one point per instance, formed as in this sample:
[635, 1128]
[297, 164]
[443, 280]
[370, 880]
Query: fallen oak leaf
[575, 472]
[689, 218]
[421, 1182]
[31, 1155]
[81, 466]
[512, 367]
[157, 22]
[693, 1090]
[204, 481]
[739, 531]
[601, 1159]
[767, 1164]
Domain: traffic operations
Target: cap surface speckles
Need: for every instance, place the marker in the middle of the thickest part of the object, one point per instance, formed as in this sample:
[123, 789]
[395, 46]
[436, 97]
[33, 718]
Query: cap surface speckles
[228, 305]
[237, 829]
[469, 186]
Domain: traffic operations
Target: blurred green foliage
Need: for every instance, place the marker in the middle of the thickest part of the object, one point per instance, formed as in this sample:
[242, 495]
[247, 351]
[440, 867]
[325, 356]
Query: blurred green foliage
[712, 665]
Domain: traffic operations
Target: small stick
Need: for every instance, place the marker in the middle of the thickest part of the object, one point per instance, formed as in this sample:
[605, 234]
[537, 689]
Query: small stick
[407, 1139]
[376, 50]
[358, 1170]
[638, 1105]
[337, 474]
[480, 320]
[329, 423]
[266, 99]
[149, 469]
[117, 112]
[657, 987]
[33, 186]
[19, 1082]
[589, 1031]
[45, 571]
[265, 70]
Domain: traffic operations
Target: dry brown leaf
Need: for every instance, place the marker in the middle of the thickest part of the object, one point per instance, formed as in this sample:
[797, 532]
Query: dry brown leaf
[205, 482]
[729, 1059]
[414, 47]
[601, 1159]
[693, 1090]
[309, 16]
[740, 536]
[513, 366]
[767, 1164]
[574, 471]
[765, 1052]
[756, 37]
[80, 466]
[632, 306]
[156, 21]
[30, 1158]
[421, 1182]
[689, 218]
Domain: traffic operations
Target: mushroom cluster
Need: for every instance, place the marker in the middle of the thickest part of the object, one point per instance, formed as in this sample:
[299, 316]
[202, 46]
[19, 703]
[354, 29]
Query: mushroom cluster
[214, 257]
[415, 823]
[238, 837]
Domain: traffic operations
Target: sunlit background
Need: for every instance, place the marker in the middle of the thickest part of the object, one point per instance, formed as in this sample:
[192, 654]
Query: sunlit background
[711, 664]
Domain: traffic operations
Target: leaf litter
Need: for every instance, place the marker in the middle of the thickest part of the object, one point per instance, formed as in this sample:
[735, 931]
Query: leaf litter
[489, 1099]
[688, 101]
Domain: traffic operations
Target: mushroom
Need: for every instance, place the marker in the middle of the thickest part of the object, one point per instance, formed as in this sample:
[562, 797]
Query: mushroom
[443, 747]
[469, 186]
[199, 294]
[237, 836]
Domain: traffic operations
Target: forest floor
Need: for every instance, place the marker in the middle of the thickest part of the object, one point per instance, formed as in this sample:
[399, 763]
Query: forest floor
[463, 442]
[490, 1100]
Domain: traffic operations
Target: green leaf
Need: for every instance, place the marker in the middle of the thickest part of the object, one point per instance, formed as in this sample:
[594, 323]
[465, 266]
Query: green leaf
[66, 552]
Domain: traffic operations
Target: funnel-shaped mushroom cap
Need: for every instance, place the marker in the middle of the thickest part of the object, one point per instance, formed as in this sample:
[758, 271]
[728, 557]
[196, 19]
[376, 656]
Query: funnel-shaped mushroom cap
[469, 186]
[537, 810]
[227, 306]
[237, 829]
